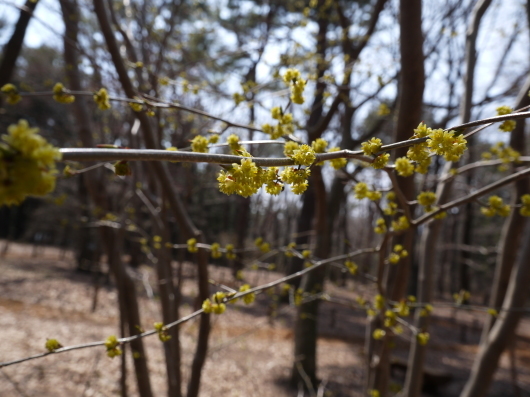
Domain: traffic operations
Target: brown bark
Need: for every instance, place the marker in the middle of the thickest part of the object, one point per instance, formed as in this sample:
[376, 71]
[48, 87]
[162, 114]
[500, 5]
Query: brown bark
[429, 240]
[409, 113]
[305, 329]
[173, 198]
[513, 228]
[503, 330]
[129, 311]
[14, 45]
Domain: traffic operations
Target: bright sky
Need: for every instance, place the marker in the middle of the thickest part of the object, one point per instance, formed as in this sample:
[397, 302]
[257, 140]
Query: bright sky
[41, 28]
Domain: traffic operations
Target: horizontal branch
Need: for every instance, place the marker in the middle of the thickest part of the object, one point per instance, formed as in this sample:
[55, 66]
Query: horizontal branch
[470, 197]
[258, 289]
[76, 154]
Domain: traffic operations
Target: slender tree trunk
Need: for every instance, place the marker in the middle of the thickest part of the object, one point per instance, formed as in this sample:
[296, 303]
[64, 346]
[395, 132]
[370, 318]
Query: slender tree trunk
[430, 237]
[306, 322]
[161, 172]
[512, 231]
[125, 285]
[503, 330]
[14, 45]
[409, 114]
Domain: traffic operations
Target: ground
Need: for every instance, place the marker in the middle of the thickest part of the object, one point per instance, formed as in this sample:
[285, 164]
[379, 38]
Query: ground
[42, 296]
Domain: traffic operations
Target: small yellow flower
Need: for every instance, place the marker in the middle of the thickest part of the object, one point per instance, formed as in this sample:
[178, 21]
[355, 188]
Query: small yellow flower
[199, 144]
[249, 298]
[508, 125]
[61, 95]
[102, 99]
[351, 266]
[112, 345]
[230, 254]
[423, 338]
[304, 155]
[192, 245]
[52, 345]
[161, 330]
[372, 146]
[13, 97]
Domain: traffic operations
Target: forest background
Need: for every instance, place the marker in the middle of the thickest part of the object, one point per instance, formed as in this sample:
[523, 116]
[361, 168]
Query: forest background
[394, 231]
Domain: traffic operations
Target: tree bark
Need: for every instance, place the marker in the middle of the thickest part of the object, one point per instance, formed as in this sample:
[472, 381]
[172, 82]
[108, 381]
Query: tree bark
[173, 198]
[409, 114]
[503, 330]
[125, 285]
[14, 45]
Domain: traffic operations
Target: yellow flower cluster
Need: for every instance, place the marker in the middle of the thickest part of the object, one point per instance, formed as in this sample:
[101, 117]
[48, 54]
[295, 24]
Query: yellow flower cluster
[426, 310]
[52, 345]
[199, 144]
[525, 209]
[230, 254]
[293, 79]
[351, 266]
[508, 125]
[244, 179]
[391, 205]
[238, 98]
[27, 164]
[137, 107]
[289, 249]
[215, 250]
[362, 191]
[304, 155]
[504, 153]
[192, 245]
[379, 302]
[319, 145]
[372, 146]
[298, 296]
[249, 298]
[402, 223]
[461, 296]
[102, 99]
[380, 226]
[423, 338]
[297, 178]
[215, 305]
[381, 161]
[285, 124]
[289, 148]
[61, 95]
[427, 200]
[233, 143]
[112, 345]
[398, 254]
[13, 97]
[337, 163]
[446, 144]
[262, 245]
[161, 330]
[378, 334]
[122, 168]
[495, 206]
[420, 152]
[404, 166]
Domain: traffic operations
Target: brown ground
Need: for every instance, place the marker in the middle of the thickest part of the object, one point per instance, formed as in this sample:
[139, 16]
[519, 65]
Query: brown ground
[43, 297]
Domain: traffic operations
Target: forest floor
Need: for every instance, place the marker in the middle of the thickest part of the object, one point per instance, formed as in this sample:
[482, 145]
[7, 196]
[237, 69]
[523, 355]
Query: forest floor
[42, 296]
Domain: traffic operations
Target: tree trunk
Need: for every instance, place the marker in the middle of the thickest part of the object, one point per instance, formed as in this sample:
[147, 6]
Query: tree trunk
[125, 285]
[14, 45]
[503, 330]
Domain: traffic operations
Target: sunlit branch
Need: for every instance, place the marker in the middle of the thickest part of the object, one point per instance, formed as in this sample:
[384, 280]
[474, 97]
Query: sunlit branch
[480, 192]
